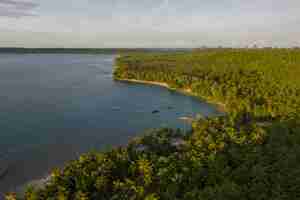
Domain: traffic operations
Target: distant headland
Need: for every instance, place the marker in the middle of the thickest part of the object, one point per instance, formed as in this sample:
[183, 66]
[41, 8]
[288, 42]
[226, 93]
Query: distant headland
[21, 50]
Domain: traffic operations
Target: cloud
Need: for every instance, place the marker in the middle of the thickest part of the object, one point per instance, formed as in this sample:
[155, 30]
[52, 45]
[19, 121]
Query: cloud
[15, 14]
[95, 23]
[19, 4]
[17, 8]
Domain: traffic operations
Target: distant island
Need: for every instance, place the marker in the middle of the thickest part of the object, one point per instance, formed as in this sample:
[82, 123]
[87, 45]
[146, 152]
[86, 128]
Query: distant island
[85, 50]
[250, 153]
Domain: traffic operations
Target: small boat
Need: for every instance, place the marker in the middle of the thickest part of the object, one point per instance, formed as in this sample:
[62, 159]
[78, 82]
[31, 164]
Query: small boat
[116, 108]
[169, 107]
[155, 111]
[187, 119]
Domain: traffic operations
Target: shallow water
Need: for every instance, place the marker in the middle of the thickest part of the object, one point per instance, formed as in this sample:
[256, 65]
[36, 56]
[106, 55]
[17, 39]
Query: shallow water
[55, 106]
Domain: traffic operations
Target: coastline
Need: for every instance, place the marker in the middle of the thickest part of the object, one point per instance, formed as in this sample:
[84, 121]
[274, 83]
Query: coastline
[187, 91]
[220, 107]
[145, 82]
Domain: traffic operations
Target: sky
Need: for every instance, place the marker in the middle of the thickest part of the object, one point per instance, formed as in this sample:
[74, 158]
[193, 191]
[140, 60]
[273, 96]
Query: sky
[149, 23]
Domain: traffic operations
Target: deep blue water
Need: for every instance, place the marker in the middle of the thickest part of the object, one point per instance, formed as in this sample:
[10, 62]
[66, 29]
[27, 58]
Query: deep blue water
[56, 106]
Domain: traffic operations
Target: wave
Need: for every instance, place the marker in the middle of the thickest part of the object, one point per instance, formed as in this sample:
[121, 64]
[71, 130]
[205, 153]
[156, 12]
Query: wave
[36, 183]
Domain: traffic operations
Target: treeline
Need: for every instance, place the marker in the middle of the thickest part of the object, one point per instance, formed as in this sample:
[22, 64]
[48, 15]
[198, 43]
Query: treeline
[252, 153]
[217, 160]
[262, 82]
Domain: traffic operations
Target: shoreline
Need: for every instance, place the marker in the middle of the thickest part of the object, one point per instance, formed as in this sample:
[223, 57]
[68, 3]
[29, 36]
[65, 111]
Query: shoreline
[187, 91]
[220, 107]
[40, 183]
[145, 82]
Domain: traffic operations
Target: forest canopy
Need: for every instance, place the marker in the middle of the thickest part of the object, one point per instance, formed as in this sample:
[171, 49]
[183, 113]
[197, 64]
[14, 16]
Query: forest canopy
[263, 82]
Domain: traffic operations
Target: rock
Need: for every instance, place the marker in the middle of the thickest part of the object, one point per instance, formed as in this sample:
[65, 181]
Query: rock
[155, 111]
[3, 172]
[4, 167]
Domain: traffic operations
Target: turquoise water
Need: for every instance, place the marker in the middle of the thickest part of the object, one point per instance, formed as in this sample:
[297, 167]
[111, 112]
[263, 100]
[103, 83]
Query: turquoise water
[55, 106]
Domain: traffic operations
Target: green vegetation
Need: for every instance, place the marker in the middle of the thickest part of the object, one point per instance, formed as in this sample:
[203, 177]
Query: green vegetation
[252, 153]
[263, 82]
